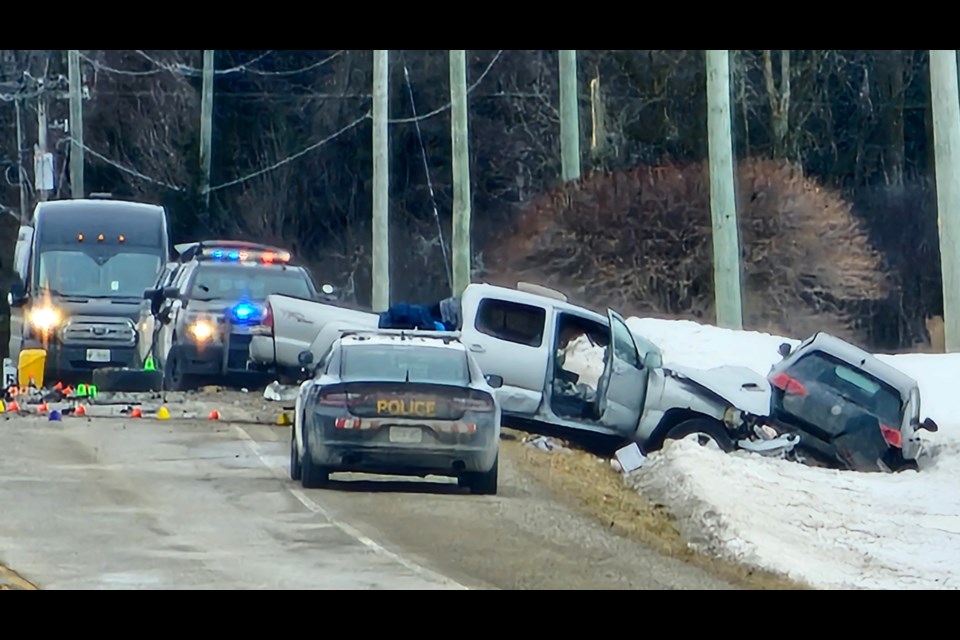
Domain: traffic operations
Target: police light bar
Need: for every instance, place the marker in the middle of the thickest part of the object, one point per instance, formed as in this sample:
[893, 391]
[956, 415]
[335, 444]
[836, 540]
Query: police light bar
[247, 255]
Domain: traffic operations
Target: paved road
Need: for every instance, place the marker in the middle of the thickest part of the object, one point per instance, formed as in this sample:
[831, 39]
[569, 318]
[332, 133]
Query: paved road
[128, 504]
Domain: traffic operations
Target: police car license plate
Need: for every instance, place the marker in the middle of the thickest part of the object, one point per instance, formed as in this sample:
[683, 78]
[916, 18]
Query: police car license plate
[98, 355]
[405, 435]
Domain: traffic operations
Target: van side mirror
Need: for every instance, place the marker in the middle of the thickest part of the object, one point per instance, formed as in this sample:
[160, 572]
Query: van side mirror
[785, 350]
[494, 381]
[305, 359]
[652, 360]
[18, 294]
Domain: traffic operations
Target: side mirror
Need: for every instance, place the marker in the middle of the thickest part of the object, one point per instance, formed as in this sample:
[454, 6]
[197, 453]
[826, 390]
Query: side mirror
[171, 292]
[652, 360]
[494, 381]
[305, 359]
[929, 425]
[328, 292]
[18, 294]
[785, 350]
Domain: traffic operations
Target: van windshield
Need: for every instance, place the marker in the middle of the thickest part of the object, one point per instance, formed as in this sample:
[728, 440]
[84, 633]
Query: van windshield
[108, 275]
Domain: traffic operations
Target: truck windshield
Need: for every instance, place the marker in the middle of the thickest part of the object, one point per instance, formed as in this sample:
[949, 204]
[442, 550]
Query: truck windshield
[235, 282]
[84, 275]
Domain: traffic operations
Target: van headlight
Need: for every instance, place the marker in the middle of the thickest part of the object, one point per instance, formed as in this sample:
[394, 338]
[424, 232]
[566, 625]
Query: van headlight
[45, 319]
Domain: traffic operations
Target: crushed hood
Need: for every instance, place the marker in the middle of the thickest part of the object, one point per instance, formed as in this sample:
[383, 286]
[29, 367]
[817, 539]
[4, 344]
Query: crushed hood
[742, 387]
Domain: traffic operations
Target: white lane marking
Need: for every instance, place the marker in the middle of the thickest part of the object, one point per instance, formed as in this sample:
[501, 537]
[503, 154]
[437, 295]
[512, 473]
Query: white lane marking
[306, 501]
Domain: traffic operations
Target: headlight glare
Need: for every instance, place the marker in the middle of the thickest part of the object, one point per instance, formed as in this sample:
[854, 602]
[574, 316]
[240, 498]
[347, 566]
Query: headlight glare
[45, 319]
[202, 330]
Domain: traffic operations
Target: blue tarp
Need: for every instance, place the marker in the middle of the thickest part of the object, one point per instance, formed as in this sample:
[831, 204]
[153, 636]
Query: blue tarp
[442, 317]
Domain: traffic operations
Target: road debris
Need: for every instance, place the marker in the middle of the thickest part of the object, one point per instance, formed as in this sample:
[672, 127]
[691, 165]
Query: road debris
[276, 392]
[544, 443]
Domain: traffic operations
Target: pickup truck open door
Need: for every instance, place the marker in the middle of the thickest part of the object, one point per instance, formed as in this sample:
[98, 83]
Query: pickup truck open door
[622, 389]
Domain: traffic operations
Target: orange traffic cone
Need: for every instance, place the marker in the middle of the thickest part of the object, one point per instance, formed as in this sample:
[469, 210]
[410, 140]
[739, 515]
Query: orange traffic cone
[59, 387]
[14, 407]
[43, 408]
[214, 415]
[80, 411]
[136, 413]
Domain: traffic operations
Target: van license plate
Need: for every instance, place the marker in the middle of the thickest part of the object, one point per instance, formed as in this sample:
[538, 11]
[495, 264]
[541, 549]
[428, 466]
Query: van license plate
[98, 355]
[402, 435]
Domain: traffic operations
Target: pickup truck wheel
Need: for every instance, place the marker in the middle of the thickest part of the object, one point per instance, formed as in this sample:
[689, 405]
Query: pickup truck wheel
[311, 475]
[296, 471]
[174, 378]
[483, 484]
[706, 432]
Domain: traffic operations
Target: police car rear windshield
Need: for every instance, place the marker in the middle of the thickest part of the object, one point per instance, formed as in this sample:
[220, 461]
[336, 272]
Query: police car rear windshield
[398, 363]
[234, 282]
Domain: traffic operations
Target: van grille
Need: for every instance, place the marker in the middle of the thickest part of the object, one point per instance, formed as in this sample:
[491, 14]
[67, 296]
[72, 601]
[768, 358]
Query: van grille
[106, 332]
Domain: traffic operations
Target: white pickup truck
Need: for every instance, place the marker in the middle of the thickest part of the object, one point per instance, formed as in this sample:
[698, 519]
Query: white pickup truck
[526, 336]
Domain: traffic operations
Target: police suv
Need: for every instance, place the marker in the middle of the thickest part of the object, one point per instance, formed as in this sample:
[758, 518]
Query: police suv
[197, 319]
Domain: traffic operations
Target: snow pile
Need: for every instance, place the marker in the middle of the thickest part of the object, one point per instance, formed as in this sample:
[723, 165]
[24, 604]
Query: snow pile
[827, 528]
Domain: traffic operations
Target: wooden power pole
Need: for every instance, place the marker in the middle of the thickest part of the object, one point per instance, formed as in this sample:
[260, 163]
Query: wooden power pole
[569, 115]
[462, 259]
[723, 200]
[40, 153]
[380, 267]
[77, 186]
[206, 128]
[945, 99]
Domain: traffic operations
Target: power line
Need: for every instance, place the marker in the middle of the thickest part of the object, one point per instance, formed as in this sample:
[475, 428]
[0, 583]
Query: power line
[186, 70]
[99, 66]
[448, 106]
[292, 72]
[426, 168]
[295, 156]
[120, 167]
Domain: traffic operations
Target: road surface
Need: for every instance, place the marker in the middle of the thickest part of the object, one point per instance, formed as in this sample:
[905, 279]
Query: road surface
[113, 503]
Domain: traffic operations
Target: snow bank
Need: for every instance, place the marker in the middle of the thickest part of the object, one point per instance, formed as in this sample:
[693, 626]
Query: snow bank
[827, 528]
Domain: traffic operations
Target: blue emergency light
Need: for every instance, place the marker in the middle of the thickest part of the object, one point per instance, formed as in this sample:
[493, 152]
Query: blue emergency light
[245, 312]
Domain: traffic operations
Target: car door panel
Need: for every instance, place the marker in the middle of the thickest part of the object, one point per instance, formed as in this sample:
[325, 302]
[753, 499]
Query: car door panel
[510, 339]
[623, 385]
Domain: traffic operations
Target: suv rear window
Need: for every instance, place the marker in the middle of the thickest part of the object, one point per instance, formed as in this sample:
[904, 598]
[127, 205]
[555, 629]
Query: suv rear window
[234, 282]
[849, 383]
[397, 363]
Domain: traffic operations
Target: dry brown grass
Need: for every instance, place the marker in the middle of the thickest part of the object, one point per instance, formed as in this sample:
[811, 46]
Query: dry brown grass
[11, 581]
[598, 490]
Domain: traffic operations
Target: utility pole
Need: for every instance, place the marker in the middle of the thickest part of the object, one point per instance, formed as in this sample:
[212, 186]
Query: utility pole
[462, 258]
[569, 115]
[723, 200]
[21, 173]
[945, 102]
[380, 267]
[40, 153]
[77, 186]
[206, 128]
